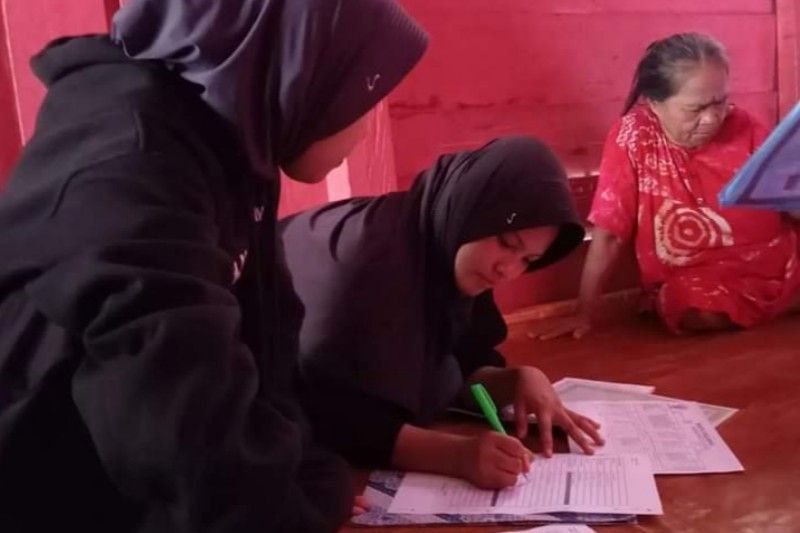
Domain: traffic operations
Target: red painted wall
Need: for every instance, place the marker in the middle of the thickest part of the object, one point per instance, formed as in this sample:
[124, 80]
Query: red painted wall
[30, 25]
[25, 27]
[557, 69]
[10, 138]
[788, 60]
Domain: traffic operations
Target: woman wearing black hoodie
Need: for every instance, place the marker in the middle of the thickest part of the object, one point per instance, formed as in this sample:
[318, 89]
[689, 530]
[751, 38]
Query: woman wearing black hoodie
[146, 356]
[399, 313]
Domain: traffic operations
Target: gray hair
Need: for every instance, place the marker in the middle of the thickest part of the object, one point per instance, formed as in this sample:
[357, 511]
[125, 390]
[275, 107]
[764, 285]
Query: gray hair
[657, 75]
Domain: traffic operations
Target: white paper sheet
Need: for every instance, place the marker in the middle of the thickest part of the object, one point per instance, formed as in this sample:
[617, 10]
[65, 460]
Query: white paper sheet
[565, 482]
[557, 528]
[573, 390]
[577, 390]
[566, 383]
[676, 436]
[593, 390]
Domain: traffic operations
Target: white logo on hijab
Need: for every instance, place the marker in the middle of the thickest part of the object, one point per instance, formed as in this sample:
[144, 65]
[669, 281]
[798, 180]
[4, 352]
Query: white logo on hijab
[238, 266]
[258, 213]
[510, 218]
[371, 82]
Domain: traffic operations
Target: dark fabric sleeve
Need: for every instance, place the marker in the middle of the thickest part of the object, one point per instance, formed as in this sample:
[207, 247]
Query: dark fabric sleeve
[169, 394]
[361, 427]
[486, 329]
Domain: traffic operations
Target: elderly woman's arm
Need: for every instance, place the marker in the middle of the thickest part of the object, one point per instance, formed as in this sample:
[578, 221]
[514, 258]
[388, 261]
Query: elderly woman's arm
[600, 261]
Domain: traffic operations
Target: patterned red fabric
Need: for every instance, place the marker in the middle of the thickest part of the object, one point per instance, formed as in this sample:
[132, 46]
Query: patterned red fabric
[691, 252]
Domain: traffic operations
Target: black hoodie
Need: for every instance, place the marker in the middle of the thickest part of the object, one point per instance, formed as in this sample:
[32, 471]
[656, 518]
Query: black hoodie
[145, 382]
[387, 338]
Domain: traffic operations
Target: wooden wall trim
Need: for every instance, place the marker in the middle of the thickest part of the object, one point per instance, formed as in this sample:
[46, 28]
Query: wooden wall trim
[787, 17]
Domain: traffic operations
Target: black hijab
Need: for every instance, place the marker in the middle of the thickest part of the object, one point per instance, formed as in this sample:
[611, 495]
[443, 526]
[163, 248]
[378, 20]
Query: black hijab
[510, 184]
[284, 73]
[375, 275]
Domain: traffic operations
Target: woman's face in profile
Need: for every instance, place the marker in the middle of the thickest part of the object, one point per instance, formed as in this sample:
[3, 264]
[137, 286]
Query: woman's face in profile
[480, 265]
[693, 115]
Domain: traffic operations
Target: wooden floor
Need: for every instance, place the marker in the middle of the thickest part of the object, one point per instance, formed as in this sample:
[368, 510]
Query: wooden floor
[757, 371]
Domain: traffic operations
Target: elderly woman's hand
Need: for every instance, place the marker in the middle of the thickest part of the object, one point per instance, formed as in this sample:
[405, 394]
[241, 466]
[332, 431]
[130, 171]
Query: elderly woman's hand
[575, 326]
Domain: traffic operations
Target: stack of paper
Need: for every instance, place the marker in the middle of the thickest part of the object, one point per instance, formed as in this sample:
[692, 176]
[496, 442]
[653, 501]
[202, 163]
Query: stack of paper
[675, 436]
[565, 482]
[382, 487]
[558, 528]
[578, 390]
[645, 434]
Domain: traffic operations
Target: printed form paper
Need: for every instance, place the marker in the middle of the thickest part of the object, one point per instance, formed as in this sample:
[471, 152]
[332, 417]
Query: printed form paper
[621, 484]
[557, 528]
[676, 436]
[574, 390]
[579, 389]
[566, 383]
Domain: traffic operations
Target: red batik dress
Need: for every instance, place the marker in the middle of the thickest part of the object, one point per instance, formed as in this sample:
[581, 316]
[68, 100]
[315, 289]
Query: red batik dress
[692, 253]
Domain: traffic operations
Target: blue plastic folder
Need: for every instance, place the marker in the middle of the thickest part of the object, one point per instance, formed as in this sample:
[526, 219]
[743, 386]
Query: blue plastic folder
[770, 179]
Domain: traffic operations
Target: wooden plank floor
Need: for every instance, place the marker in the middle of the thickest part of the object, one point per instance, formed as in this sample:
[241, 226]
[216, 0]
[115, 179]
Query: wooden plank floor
[757, 371]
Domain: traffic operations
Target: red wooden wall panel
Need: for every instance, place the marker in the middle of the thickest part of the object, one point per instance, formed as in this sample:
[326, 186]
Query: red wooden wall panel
[788, 24]
[27, 26]
[372, 167]
[649, 6]
[30, 25]
[10, 139]
[559, 70]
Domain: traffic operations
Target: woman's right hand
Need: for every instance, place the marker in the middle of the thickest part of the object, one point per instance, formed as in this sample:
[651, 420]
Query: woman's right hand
[576, 325]
[492, 460]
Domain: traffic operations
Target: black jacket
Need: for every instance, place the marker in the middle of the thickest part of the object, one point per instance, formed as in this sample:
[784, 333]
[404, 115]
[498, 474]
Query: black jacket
[387, 338]
[144, 384]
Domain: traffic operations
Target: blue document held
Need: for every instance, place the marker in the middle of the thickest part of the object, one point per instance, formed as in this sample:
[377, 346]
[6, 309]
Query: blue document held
[770, 179]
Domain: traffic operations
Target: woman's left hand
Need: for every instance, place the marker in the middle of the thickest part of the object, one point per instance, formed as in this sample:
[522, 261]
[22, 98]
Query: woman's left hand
[534, 394]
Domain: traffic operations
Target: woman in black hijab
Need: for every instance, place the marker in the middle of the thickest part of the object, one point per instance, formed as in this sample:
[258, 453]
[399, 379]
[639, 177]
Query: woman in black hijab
[399, 313]
[145, 371]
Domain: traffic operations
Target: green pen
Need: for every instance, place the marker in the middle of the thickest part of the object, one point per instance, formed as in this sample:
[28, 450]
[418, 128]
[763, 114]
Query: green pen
[489, 409]
[487, 406]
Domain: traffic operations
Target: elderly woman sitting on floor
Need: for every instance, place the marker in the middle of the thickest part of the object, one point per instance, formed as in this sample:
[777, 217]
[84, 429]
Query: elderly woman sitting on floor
[678, 142]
